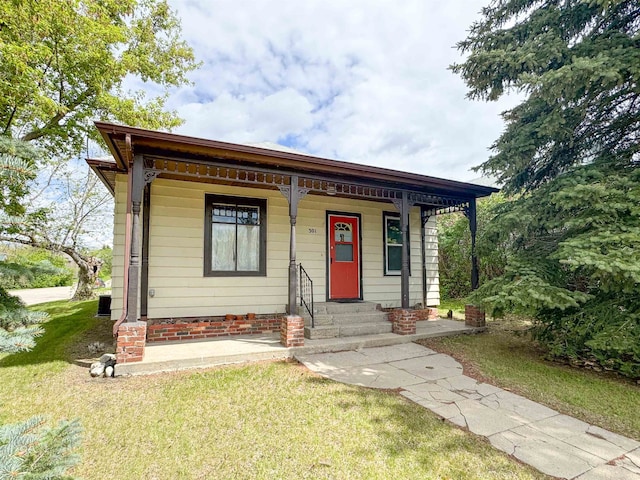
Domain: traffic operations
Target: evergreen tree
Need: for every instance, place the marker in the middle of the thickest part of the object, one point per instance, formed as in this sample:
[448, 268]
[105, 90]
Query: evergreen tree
[570, 155]
[28, 449]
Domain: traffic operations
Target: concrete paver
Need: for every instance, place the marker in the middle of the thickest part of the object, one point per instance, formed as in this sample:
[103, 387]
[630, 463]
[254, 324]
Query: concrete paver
[391, 353]
[430, 367]
[608, 472]
[555, 444]
[545, 453]
[517, 407]
[381, 375]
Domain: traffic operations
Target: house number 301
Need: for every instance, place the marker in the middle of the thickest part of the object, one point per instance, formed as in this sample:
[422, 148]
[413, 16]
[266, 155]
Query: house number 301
[313, 231]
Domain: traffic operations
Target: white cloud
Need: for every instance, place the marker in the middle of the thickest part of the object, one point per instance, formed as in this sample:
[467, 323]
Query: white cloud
[359, 81]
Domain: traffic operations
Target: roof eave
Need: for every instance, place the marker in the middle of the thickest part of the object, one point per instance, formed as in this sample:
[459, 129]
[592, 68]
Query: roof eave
[295, 161]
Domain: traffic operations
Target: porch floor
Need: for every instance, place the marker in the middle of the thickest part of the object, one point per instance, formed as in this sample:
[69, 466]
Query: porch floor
[172, 356]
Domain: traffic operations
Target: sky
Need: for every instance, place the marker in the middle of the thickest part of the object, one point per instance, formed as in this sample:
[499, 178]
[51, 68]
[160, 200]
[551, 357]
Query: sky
[359, 81]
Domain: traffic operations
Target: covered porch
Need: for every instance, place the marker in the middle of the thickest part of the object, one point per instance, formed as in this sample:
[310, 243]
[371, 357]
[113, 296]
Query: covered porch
[173, 356]
[142, 158]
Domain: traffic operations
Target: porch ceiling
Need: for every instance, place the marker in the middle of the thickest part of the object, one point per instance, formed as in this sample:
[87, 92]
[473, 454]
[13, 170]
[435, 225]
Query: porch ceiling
[193, 159]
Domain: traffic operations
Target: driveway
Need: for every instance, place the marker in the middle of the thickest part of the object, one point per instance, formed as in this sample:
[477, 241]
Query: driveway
[31, 296]
[551, 442]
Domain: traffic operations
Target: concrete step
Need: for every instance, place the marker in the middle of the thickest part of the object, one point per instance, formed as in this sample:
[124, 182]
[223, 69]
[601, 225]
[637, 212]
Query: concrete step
[365, 329]
[339, 308]
[321, 332]
[364, 317]
[319, 320]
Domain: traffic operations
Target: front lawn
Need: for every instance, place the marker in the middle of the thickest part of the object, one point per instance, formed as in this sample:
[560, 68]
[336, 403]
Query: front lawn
[266, 420]
[508, 358]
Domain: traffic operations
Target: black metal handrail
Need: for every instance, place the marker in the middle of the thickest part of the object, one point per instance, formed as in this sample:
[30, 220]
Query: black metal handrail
[306, 293]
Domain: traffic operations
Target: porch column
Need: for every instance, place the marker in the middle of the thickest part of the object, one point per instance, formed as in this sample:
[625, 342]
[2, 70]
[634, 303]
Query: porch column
[294, 198]
[470, 213]
[404, 226]
[137, 185]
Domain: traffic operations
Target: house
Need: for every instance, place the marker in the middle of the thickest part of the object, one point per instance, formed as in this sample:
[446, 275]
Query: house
[213, 238]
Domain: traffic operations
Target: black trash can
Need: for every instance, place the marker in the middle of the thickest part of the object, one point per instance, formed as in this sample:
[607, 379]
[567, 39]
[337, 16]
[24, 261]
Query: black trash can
[104, 305]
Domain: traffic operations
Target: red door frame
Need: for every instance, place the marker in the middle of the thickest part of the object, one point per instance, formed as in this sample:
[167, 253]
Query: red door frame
[358, 255]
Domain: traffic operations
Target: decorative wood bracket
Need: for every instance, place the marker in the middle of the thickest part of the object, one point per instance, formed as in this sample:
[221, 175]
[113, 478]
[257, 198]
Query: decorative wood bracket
[424, 217]
[411, 201]
[150, 174]
[285, 190]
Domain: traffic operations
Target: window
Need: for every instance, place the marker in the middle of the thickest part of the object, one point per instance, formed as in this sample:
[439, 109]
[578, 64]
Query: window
[392, 244]
[235, 236]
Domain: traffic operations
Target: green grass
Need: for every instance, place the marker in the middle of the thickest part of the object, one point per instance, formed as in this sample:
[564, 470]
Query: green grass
[454, 304]
[68, 322]
[265, 420]
[510, 359]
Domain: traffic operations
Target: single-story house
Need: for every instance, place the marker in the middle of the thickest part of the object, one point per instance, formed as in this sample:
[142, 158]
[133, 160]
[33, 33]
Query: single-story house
[214, 238]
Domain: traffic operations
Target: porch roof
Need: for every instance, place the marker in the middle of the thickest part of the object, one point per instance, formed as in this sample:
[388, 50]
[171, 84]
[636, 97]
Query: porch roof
[164, 151]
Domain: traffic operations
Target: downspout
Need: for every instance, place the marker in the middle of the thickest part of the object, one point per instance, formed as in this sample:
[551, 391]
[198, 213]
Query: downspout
[127, 238]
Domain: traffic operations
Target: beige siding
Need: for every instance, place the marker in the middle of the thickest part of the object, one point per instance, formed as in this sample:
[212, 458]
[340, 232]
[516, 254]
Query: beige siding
[117, 272]
[176, 253]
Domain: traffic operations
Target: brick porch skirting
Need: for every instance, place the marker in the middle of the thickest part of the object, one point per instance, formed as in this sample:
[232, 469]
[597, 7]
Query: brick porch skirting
[193, 328]
[130, 342]
[429, 313]
[404, 321]
[474, 316]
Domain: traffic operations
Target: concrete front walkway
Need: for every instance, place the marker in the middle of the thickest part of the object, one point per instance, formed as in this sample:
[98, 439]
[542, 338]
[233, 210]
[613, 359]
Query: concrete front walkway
[551, 442]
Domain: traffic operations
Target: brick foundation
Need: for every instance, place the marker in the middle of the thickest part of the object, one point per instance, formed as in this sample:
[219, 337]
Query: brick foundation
[168, 329]
[404, 321]
[292, 331]
[130, 342]
[474, 316]
[429, 313]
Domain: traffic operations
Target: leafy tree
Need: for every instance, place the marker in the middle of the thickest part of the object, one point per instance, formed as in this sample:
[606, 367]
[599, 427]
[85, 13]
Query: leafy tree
[570, 154]
[105, 254]
[64, 64]
[35, 268]
[454, 249]
[74, 206]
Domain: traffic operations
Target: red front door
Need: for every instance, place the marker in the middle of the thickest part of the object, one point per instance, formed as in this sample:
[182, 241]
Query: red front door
[344, 257]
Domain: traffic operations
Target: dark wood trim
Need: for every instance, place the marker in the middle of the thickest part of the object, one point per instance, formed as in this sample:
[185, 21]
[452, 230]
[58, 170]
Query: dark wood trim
[404, 226]
[328, 253]
[473, 226]
[385, 214]
[137, 187]
[149, 141]
[211, 198]
[144, 279]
